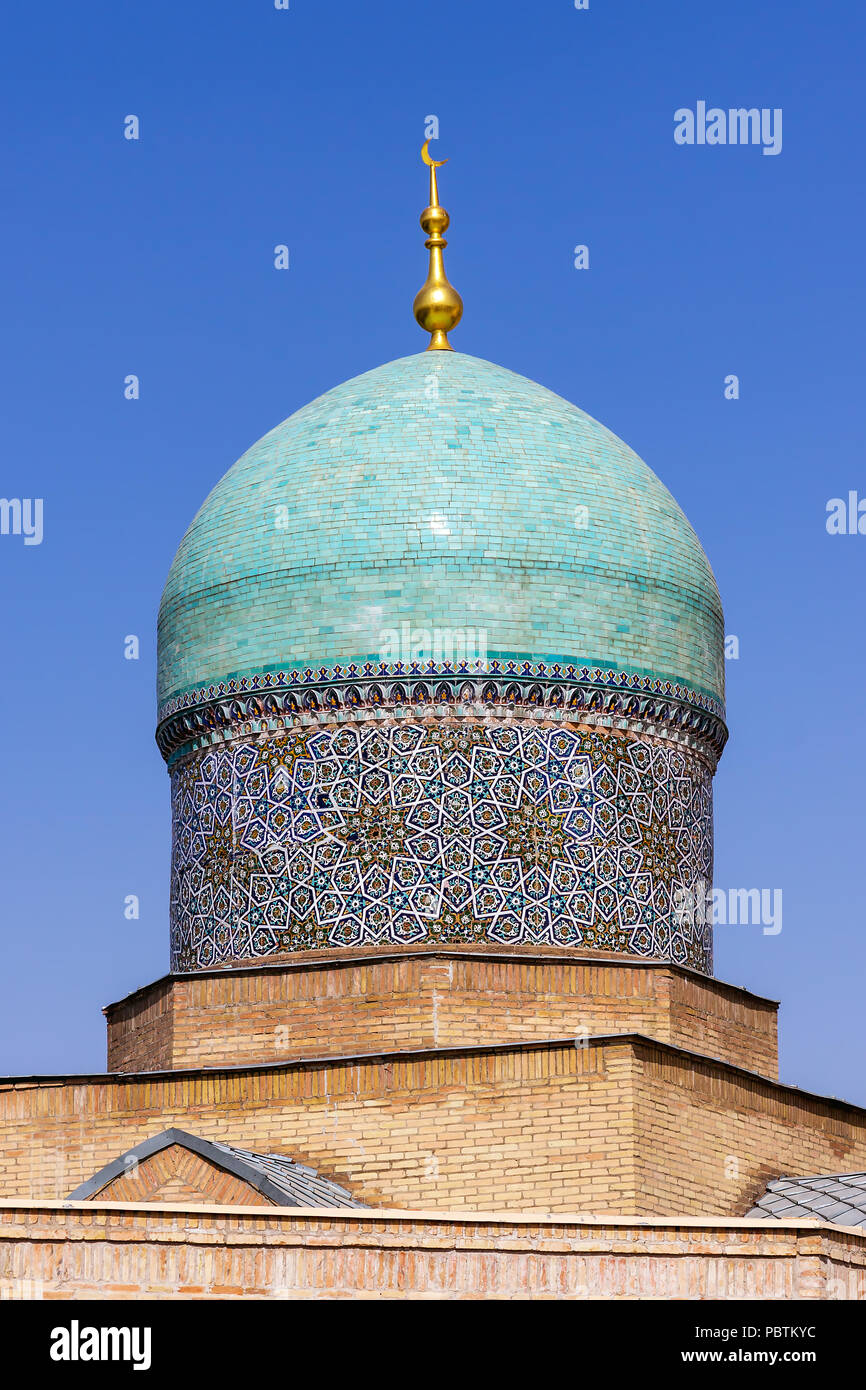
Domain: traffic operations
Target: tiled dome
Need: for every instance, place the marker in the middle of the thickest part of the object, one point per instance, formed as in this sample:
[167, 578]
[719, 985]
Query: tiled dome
[446, 492]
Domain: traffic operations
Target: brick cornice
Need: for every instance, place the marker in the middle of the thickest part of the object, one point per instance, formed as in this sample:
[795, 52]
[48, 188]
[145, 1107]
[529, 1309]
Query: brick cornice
[286, 1217]
[637, 1042]
[346, 959]
[127, 1249]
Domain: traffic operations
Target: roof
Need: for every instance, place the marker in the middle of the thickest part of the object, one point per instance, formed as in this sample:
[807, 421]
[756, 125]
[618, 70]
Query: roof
[437, 489]
[278, 1178]
[300, 1186]
[837, 1197]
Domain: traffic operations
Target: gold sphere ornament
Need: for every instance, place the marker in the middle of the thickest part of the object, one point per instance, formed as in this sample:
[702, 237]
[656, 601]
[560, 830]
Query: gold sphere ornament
[438, 307]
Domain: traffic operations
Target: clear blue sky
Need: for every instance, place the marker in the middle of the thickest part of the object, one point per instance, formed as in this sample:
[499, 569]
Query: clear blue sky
[155, 257]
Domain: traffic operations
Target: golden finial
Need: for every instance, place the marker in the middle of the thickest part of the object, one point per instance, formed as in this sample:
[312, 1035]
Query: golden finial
[438, 307]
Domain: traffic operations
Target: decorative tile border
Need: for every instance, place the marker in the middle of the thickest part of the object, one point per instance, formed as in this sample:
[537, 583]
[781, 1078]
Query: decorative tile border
[497, 669]
[655, 706]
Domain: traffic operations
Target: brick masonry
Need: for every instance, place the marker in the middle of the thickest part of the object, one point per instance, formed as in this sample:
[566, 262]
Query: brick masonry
[129, 1251]
[622, 1126]
[366, 1001]
[175, 1174]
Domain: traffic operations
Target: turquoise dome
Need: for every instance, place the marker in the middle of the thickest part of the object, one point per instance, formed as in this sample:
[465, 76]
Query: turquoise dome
[442, 491]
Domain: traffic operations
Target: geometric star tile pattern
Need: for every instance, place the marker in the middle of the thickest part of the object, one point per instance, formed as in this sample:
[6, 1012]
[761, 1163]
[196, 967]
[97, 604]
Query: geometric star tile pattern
[407, 833]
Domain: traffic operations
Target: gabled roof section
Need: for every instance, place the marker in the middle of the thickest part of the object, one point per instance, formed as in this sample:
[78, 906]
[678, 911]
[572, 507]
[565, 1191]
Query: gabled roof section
[837, 1197]
[277, 1178]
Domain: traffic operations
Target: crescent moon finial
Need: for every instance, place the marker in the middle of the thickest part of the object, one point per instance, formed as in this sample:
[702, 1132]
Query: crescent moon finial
[438, 307]
[425, 155]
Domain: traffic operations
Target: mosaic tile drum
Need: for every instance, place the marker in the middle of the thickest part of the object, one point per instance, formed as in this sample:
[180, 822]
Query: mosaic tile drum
[441, 659]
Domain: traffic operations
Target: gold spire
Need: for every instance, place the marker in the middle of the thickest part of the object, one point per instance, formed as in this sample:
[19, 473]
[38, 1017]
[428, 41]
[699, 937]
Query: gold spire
[438, 307]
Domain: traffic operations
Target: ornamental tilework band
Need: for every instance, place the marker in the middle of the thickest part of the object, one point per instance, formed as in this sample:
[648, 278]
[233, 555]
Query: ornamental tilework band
[549, 691]
[448, 832]
[587, 673]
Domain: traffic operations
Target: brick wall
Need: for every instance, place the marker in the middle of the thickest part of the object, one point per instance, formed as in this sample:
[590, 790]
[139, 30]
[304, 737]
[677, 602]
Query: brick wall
[723, 1021]
[710, 1138]
[622, 1126]
[128, 1252]
[175, 1174]
[141, 1029]
[430, 999]
[541, 1127]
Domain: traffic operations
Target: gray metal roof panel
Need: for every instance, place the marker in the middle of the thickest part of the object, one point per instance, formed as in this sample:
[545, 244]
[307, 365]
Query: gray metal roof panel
[295, 1179]
[275, 1176]
[842, 1190]
[837, 1197]
[852, 1217]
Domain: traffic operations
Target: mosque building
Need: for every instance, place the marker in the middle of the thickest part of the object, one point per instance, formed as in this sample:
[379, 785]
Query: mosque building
[441, 697]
